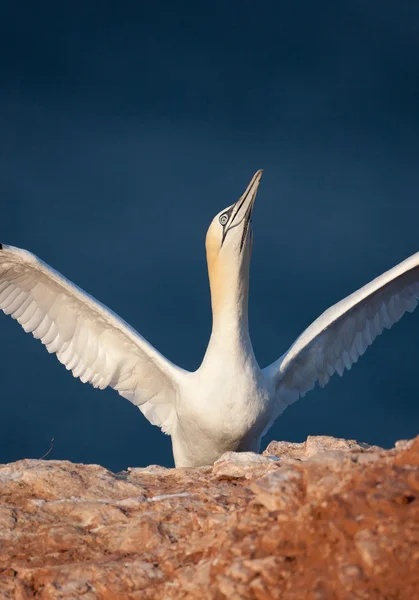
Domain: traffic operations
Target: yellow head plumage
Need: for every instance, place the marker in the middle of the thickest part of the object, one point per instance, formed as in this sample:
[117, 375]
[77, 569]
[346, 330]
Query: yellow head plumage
[228, 245]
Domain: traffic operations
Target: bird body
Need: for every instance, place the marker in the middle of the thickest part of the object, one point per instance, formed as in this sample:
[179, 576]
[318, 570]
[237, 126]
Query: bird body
[229, 403]
[224, 405]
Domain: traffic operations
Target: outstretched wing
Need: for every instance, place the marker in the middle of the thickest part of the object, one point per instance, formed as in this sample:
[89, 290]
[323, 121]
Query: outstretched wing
[336, 340]
[88, 338]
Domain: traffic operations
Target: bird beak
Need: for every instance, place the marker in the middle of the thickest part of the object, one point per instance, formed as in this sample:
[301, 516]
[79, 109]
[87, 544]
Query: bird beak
[242, 209]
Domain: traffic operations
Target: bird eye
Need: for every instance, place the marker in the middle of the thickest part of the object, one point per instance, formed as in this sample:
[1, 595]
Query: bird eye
[223, 219]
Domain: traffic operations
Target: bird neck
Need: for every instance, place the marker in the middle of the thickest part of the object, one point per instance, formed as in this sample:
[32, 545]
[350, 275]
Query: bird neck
[229, 301]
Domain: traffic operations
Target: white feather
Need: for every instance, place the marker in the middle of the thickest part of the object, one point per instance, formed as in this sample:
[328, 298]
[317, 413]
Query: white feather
[344, 331]
[88, 338]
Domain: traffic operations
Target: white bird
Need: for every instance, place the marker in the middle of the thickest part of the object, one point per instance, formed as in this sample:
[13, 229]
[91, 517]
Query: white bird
[229, 403]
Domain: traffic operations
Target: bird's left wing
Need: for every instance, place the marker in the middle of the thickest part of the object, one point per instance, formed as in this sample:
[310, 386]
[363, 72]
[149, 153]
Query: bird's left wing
[87, 337]
[334, 341]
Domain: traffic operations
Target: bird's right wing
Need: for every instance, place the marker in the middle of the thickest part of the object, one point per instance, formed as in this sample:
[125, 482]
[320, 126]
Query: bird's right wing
[87, 337]
[335, 341]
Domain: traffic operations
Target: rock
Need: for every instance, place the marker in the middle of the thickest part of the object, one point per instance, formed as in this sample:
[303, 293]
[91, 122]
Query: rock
[282, 490]
[235, 465]
[326, 519]
[315, 445]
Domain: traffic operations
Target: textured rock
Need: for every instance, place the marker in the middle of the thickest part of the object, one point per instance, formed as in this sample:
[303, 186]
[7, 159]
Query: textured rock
[316, 445]
[247, 465]
[327, 519]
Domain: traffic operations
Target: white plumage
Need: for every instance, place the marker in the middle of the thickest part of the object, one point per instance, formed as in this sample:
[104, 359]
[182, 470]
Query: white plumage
[229, 403]
[336, 339]
[88, 338]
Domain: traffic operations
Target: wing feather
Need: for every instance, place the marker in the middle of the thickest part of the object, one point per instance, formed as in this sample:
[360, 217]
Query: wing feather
[335, 341]
[88, 338]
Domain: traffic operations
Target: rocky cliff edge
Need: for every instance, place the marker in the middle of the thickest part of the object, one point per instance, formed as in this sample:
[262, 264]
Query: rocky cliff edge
[323, 520]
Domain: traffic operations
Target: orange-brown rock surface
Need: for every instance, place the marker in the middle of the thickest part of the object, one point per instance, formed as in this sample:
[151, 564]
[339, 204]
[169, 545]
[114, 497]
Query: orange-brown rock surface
[327, 519]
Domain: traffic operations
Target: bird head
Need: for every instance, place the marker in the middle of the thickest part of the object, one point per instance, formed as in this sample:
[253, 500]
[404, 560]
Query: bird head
[229, 237]
[229, 245]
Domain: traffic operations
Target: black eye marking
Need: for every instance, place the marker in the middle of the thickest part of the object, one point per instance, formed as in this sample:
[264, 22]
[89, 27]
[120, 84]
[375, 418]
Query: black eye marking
[223, 219]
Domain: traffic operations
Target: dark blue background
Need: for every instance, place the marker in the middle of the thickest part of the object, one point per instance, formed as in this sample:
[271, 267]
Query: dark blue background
[125, 127]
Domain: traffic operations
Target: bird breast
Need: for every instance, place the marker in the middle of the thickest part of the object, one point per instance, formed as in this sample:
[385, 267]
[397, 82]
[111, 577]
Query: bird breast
[225, 404]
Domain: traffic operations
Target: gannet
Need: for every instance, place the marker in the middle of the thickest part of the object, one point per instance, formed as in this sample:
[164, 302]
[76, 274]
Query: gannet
[229, 403]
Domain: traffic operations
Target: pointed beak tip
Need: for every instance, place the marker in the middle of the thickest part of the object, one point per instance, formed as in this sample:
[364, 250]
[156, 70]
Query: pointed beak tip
[256, 180]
